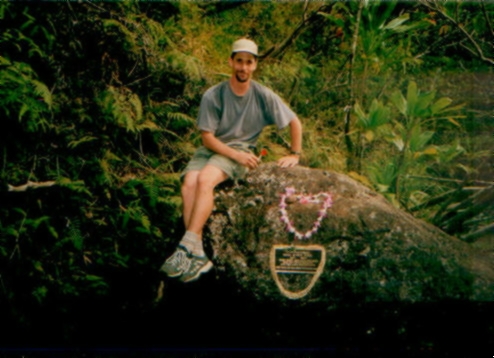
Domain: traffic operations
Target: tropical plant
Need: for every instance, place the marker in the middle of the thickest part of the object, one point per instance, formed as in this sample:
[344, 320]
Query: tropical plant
[98, 102]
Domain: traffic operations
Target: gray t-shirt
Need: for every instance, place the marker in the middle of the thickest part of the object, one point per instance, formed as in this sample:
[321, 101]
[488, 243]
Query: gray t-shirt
[233, 118]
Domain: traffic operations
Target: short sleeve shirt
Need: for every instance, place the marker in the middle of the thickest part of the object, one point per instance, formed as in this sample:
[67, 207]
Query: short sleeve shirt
[233, 118]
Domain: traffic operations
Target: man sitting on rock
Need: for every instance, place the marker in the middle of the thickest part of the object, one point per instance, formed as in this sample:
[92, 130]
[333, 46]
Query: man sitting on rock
[231, 117]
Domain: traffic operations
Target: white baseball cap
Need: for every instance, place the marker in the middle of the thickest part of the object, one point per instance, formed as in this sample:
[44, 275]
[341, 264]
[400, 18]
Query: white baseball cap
[245, 45]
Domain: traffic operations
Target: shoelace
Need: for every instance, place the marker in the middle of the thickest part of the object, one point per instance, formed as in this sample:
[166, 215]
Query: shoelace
[196, 264]
[181, 260]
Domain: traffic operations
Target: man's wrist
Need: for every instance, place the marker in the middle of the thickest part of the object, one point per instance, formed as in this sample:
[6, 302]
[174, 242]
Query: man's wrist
[295, 152]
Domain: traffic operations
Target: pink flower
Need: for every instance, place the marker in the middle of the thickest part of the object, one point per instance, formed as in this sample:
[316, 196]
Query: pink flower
[290, 191]
[303, 199]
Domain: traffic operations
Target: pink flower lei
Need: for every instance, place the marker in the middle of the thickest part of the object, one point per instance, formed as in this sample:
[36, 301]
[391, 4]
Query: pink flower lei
[304, 199]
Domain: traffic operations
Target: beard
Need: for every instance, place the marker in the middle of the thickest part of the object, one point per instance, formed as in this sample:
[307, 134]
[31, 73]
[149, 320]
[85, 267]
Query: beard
[240, 79]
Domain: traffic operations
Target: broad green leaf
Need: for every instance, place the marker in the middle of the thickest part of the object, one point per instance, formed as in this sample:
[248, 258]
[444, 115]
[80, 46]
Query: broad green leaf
[405, 28]
[399, 102]
[423, 102]
[358, 111]
[379, 115]
[419, 139]
[454, 108]
[412, 95]
[393, 24]
[440, 104]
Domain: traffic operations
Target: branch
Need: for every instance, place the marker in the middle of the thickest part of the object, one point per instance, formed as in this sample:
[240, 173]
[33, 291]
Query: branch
[306, 6]
[31, 185]
[487, 20]
[137, 81]
[277, 50]
[478, 50]
[348, 140]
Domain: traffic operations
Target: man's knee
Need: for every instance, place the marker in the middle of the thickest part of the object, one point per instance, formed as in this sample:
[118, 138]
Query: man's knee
[189, 182]
[209, 177]
[206, 181]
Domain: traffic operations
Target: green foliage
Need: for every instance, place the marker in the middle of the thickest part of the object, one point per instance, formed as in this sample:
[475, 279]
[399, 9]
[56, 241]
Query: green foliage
[99, 100]
[121, 106]
[23, 97]
[71, 120]
[370, 122]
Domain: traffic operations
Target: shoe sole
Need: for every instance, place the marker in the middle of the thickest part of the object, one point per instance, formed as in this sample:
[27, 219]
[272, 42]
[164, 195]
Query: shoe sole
[203, 269]
[172, 275]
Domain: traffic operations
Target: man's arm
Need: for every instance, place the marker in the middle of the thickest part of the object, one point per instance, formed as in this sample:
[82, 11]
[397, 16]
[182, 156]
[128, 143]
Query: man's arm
[296, 145]
[212, 143]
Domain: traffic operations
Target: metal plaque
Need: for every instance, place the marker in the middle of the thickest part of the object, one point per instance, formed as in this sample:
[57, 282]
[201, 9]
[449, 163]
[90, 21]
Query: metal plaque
[296, 268]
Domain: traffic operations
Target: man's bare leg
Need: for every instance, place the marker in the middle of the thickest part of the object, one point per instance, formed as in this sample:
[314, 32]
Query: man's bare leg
[198, 201]
[206, 181]
[188, 195]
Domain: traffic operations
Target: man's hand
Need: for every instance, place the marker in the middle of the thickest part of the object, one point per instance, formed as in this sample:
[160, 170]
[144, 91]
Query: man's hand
[248, 160]
[288, 161]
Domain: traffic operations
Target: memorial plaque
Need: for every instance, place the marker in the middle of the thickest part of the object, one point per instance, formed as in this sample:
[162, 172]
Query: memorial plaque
[296, 268]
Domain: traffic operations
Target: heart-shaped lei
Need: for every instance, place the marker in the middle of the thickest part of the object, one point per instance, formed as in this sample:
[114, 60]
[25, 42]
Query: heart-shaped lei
[326, 200]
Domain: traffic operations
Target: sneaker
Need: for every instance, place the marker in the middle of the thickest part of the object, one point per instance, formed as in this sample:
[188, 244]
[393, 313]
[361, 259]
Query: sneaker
[198, 266]
[178, 262]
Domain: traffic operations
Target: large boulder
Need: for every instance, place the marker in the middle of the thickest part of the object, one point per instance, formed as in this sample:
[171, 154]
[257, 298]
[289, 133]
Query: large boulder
[361, 248]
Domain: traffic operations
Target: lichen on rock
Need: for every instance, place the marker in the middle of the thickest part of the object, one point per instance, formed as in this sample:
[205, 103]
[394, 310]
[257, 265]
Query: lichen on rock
[374, 251]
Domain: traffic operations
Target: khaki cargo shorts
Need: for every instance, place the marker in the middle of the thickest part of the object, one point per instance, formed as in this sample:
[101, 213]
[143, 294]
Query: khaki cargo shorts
[204, 156]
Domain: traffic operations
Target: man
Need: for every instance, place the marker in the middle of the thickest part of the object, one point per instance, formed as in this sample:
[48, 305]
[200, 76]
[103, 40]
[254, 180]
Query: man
[231, 117]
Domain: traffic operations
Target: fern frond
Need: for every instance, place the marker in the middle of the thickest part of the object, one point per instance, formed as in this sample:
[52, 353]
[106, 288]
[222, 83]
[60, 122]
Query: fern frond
[74, 234]
[123, 106]
[177, 116]
[42, 90]
[128, 38]
[75, 143]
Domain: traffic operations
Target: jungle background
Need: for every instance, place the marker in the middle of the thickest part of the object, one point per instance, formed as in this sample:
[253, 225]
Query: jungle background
[98, 103]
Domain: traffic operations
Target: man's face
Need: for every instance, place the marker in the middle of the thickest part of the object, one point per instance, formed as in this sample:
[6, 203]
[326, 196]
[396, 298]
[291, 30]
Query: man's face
[243, 64]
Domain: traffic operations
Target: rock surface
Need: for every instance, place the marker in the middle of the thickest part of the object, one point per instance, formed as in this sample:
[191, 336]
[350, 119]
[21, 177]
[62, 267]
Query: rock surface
[374, 251]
